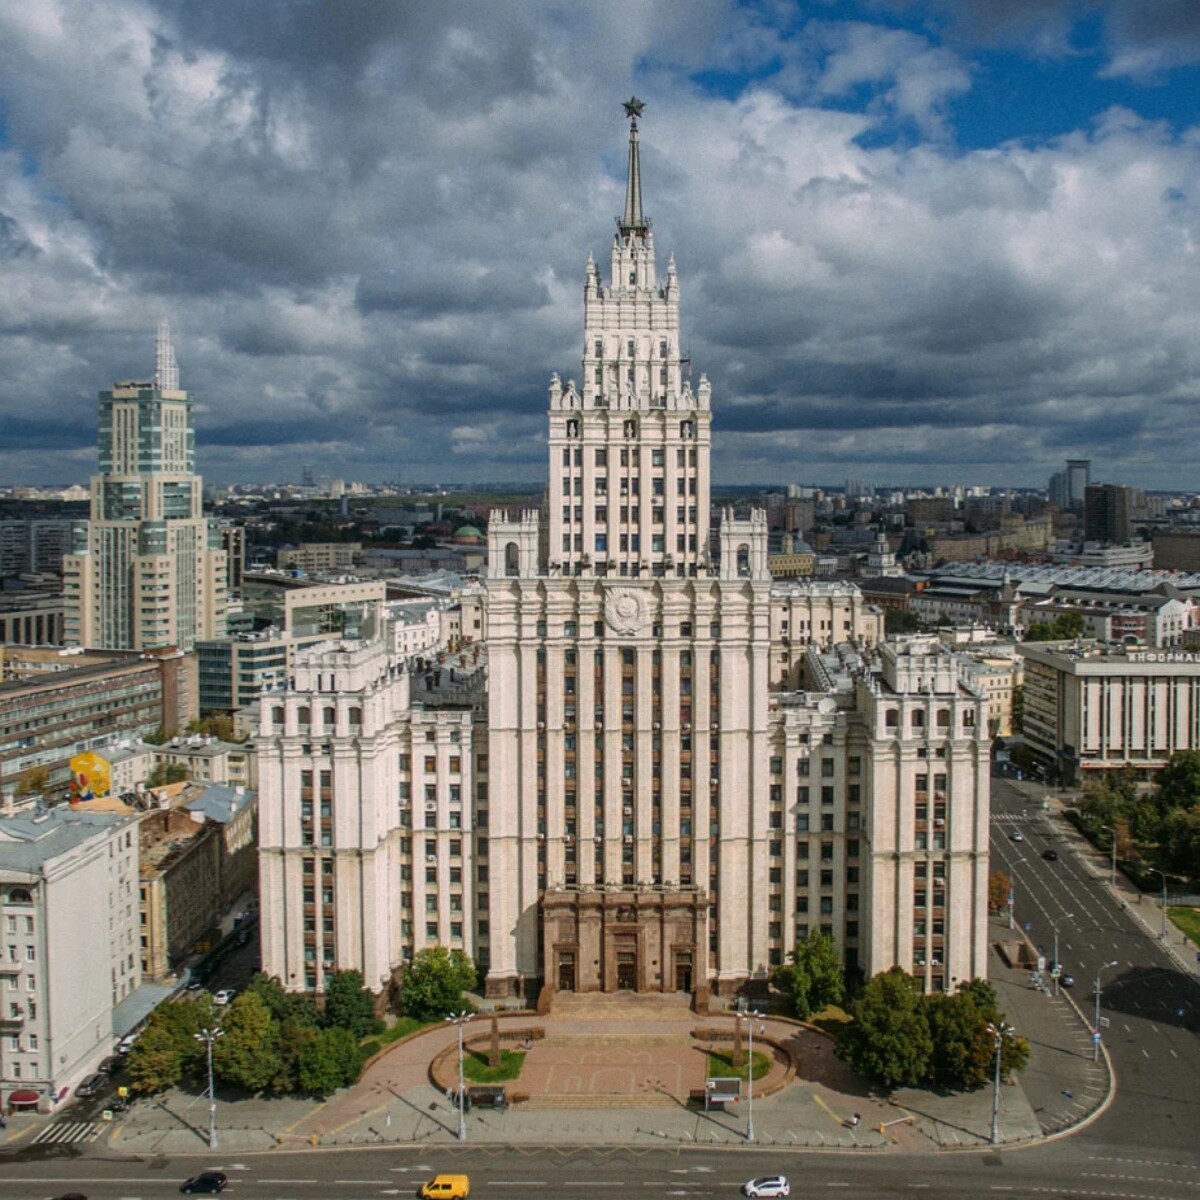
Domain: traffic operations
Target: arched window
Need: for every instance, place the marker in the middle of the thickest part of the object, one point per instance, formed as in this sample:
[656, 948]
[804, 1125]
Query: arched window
[277, 716]
[329, 716]
[356, 716]
[19, 896]
[304, 716]
[743, 559]
[511, 561]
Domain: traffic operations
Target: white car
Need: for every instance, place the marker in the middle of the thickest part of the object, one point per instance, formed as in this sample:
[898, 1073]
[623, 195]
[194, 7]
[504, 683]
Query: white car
[767, 1186]
[224, 996]
[1016, 836]
[127, 1043]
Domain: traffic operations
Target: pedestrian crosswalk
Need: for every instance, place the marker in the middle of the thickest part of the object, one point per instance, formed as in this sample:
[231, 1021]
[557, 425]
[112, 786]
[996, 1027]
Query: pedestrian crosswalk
[68, 1131]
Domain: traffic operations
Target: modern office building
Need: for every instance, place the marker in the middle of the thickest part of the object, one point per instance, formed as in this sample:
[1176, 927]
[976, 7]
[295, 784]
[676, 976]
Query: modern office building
[1093, 707]
[663, 769]
[1108, 513]
[148, 570]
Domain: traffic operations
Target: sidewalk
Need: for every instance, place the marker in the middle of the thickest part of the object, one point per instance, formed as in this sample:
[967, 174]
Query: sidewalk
[396, 1104]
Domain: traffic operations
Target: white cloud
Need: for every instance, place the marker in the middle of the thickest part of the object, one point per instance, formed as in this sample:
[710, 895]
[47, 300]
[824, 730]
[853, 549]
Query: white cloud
[371, 237]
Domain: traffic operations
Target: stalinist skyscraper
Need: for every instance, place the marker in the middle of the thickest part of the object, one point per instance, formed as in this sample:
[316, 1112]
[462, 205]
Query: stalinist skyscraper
[152, 570]
[665, 770]
[628, 671]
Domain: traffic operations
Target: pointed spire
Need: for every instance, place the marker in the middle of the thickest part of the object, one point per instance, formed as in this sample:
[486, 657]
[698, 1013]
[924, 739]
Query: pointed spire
[633, 221]
[166, 369]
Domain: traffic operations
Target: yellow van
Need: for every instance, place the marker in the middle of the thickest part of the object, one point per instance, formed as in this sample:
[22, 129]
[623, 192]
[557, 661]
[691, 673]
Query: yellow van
[446, 1187]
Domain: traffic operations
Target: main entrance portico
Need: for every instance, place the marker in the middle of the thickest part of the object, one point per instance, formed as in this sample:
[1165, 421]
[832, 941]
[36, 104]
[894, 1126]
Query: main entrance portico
[646, 940]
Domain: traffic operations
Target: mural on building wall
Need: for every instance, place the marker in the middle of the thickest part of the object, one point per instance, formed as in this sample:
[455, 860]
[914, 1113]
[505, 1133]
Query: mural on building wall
[91, 776]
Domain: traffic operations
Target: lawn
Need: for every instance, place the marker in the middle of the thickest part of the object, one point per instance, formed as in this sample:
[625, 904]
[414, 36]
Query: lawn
[720, 1064]
[476, 1069]
[1187, 921]
[393, 1033]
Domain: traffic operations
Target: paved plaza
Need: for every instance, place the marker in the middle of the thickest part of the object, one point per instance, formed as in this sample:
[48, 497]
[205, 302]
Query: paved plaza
[626, 1070]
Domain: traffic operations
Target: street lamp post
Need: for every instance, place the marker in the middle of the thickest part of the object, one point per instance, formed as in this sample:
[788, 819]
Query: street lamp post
[460, 1019]
[1057, 968]
[1096, 1028]
[999, 1032]
[208, 1036]
[1163, 906]
[749, 1019]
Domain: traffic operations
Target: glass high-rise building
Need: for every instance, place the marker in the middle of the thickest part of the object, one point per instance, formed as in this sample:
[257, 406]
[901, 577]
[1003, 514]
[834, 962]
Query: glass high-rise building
[148, 569]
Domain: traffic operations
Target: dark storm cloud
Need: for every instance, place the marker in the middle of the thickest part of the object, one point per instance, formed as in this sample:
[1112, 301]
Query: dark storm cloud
[368, 223]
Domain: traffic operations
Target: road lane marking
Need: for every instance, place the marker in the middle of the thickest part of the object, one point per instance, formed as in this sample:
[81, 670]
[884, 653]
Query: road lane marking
[518, 1183]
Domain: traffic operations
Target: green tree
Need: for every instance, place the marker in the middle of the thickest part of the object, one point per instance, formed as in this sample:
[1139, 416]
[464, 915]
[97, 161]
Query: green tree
[159, 737]
[165, 772]
[330, 1059]
[248, 1052]
[1061, 628]
[1018, 708]
[218, 725]
[349, 1005]
[889, 1037]
[814, 978]
[293, 1037]
[34, 781]
[432, 985]
[167, 1048]
[899, 620]
[284, 1006]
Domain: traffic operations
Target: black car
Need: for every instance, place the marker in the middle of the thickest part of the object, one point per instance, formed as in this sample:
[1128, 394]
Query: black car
[1050, 855]
[209, 1182]
[91, 1086]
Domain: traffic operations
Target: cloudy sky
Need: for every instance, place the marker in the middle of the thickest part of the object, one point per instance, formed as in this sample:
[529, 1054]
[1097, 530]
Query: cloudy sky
[918, 240]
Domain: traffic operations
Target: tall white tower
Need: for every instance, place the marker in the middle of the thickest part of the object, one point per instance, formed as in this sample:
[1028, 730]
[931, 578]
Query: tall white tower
[148, 570]
[628, 672]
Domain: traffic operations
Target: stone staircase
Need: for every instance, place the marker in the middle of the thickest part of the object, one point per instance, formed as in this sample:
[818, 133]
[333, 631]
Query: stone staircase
[635, 1007]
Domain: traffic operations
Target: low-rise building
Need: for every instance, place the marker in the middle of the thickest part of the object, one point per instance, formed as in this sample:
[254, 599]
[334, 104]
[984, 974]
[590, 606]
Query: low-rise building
[83, 701]
[197, 857]
[1092, 706]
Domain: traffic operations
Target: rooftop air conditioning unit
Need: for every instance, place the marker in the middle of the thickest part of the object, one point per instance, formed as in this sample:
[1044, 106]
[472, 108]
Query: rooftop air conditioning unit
[431, 858]
[657, 726]
[628, 810]
[599, 726]
[541, 725]
[939, 820]
[687, 727]
[628, 839]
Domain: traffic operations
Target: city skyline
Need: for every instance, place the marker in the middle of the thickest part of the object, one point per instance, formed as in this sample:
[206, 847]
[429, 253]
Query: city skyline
[926, 242]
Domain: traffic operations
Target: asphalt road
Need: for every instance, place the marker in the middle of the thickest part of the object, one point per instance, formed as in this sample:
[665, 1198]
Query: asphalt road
[1153, 1009]
[1061, 1169]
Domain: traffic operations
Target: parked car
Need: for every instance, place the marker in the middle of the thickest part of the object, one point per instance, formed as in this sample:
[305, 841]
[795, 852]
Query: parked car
[224, 996]
[767, 1187]
[1050, 855]
[210, 1182]
[92, 1085]
[112, 1064]
[127, 1043]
